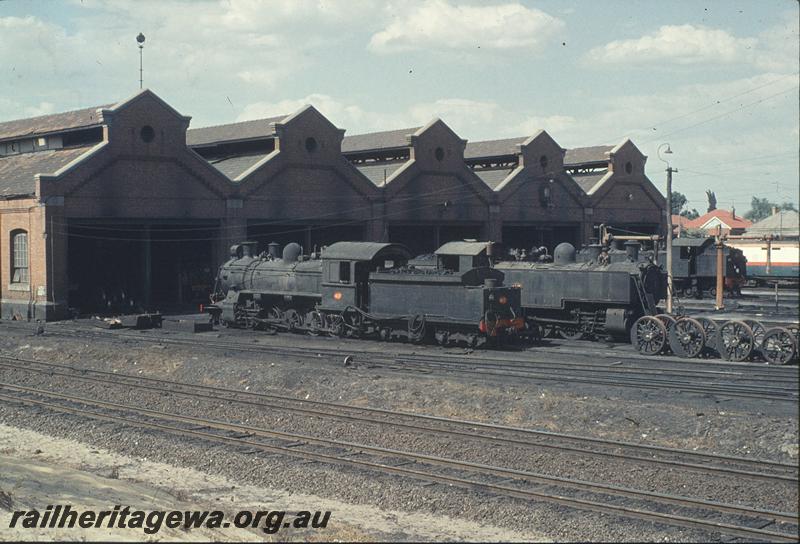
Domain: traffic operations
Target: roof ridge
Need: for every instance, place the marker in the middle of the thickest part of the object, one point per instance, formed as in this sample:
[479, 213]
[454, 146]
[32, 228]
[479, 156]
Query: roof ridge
[498, 140]
[242, 122]
[56, 114]
[412, 129]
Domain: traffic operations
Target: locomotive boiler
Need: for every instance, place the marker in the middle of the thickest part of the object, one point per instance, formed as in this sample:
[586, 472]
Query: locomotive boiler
[594, 296]
[365, 289]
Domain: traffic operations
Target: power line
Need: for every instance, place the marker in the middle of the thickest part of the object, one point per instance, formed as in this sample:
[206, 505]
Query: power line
[729, 112]
[718, 102]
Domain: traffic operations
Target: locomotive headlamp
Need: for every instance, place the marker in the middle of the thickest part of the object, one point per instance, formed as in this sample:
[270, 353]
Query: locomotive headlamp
[503, 299]
[337, 295]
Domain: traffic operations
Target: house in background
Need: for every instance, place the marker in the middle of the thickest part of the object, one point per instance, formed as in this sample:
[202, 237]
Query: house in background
[727, 219]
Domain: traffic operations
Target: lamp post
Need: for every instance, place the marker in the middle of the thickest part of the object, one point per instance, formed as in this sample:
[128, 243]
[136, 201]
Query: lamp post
[140, 41]
[670, 170]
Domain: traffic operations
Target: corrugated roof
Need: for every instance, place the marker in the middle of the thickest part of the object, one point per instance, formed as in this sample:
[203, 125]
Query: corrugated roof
[587, 181]
[245, 130]
[583, 155]
[17, 171]
[32, 126]
[785, 223]
[233, 167]
[377, 140]
[377, 173]
[493, 148]
[493, 178]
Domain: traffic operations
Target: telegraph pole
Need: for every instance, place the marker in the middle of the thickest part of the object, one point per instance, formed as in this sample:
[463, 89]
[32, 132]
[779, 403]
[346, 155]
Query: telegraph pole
[670, 170]
[140, 41]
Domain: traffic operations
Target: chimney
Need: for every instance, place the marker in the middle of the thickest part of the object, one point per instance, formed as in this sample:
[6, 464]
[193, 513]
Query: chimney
[733, 212]
[775, 210]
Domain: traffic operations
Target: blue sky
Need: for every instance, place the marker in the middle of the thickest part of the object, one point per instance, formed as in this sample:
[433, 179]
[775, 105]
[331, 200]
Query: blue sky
[717, 80]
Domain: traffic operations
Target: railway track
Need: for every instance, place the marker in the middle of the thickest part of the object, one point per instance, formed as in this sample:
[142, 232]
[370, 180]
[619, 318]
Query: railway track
[749, 384]
[494, 434]
[716, 517]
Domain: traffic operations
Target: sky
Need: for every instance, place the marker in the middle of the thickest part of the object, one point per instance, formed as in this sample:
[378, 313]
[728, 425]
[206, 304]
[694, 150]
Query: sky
[717, 80]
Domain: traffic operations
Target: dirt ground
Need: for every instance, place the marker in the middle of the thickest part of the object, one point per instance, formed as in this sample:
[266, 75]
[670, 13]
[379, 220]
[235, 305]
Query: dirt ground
[38, 470]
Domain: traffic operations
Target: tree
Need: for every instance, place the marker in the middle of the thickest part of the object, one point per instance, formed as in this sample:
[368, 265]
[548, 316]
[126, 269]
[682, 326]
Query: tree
[762, 207]
[679, 200]
[712, 200]
[690, 214]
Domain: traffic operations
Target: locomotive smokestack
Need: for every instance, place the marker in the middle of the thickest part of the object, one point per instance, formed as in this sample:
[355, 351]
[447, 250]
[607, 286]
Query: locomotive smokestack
[632, 249]
[274, 250]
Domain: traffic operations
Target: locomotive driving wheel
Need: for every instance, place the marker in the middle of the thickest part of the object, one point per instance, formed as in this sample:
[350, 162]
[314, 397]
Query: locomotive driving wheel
[779, 346]
[336, 325]
[316, 322]
[293, 319]
[570, 333]
[668, 321]
[758, 333]
[687, 337]
[649, 335]
[735, 341]
[710, 330]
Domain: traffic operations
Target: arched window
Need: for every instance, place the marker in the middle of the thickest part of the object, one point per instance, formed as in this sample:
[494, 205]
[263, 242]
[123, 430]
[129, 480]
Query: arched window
[19, 256]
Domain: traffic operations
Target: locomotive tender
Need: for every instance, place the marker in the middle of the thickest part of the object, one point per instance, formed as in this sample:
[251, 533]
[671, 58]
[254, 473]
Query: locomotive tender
[366, 289]
[593, 296]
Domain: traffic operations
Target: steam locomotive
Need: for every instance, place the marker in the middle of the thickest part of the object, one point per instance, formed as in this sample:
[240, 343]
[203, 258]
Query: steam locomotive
[586, 294]
[366, 289]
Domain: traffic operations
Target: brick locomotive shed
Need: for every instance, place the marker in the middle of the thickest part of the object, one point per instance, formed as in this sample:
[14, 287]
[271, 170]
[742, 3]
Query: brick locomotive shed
[122, 206]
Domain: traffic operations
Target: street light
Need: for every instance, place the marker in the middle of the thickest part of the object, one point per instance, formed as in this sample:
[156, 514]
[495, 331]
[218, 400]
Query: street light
[670, 170]
[140, 41]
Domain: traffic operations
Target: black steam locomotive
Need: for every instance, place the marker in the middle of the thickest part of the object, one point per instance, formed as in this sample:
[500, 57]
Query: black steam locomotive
[694, 267]
[589, 294]
[366, 289]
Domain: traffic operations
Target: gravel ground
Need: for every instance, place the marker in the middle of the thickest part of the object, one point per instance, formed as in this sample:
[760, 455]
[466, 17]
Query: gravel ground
[731, 427]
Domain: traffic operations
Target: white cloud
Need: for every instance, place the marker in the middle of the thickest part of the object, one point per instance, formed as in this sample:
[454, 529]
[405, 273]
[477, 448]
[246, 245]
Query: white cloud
[339, 113]
[440, 25]
[679, 44]
[553, 124]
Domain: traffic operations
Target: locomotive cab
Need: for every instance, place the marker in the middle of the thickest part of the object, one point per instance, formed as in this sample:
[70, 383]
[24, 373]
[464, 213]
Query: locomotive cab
[346, 267]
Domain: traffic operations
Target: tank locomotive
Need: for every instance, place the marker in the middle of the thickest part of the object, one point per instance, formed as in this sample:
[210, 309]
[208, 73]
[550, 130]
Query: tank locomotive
[364, 289]
[587, 295]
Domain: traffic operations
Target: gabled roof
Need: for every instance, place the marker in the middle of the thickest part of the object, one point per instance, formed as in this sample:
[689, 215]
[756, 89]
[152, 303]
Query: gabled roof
[583, 155]
[17, 171]
[232, 132]
[725, 216]
[785, 223]
[587, 181]
[493, 178]
[388, 139]
[56, 122]
[379, 172]
[235, 166]
[493, 148]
